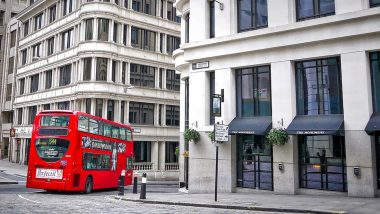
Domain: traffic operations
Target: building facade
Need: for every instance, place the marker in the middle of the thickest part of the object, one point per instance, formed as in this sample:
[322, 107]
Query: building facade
[308, 67]
[112, 59]
[8, 9]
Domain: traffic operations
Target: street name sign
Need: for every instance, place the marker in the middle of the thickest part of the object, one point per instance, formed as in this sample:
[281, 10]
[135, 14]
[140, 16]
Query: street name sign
[221, 132]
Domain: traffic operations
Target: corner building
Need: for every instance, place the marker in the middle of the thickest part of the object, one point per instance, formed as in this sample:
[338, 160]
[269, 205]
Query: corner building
[310, 67]
[112, 59]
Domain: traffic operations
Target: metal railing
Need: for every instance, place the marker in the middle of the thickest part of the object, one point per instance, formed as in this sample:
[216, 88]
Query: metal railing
[171, 166]
[143, 166]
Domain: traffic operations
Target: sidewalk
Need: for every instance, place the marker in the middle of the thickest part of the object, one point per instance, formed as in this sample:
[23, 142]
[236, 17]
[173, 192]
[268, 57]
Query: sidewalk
[12, 169]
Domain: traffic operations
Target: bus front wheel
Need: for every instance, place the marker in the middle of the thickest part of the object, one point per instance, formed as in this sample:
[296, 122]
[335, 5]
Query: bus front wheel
[89, 185]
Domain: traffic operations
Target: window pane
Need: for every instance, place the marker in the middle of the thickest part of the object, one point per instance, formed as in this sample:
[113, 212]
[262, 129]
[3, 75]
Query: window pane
[247, 94]
[83, 124]
[327, 6]
[103, 26]
[101, 69]
[262, 13]
[375, 69]
[245, 14]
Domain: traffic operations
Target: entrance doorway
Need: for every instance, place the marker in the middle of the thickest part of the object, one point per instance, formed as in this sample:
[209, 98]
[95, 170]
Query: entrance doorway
[254, 162]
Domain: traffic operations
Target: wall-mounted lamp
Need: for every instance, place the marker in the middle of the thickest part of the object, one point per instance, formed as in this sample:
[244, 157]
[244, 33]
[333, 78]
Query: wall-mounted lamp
[357, 171]
[281, 167]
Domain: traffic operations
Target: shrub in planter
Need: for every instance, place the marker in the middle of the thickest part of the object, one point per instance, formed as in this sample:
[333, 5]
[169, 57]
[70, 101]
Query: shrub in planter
[191, 135]
[211, 135]
[176, 152]
[277, 136]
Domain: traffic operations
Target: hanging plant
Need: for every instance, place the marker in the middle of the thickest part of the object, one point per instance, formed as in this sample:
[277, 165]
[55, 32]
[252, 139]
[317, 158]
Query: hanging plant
[176, 152]
[211, 135]
[191, 135]
[277, 137]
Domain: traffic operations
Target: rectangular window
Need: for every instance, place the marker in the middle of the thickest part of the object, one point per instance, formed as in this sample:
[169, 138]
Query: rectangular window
[122, 109]
[141, 113]
[65, 75]
[143, 39]
[96, 161]
[253, 91]
[212, 19]
[87, 66]
[172, 43]
[115, 31]
[2, 17]
[36, 52]
[187, 28]
[26, 28]
[172, 80]
[38, 22]
[67, 39]
[114, 69]
[170, 152]
[13, 38]
[252, 14]
[99, 107]
[101, 69]
[34, 79]
[125, 33]
[64, 105]
[103, 29]
[67, 7]
[50, 44]
[212, 92]
[319, 87]
[160, 76]
[172, 115]
[23, 56]
[142, 151]
[322, 163]
[11, 62]
[310, 9]
[123, 72]
[89, 29]
[142, 75]
[126, 3]
[19, 116]
[52, 13]
[144, 6]
[46, 106]
[9, 92]
[48, 79]
[374, 3]
[32, 110]
[110, 110]
[375, 77]
[88, 105]
[22, 86]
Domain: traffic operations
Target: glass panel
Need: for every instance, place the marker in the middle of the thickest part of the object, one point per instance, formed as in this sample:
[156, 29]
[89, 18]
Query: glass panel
[247, 94]
[326, 6]
[261, 13]
[94, 127]
[83, 124]
[61, 121]
[51, 149]
[123, 134]
[245, 14]
[107, 130]
[305, 8]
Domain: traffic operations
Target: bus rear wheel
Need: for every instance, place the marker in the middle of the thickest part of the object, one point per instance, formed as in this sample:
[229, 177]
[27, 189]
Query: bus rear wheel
[88, 186]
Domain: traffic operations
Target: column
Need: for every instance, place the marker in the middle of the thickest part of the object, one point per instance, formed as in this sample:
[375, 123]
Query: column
[284, 109]
[128, 73]
[357, 105]
[126, 115]
[110, 38]
[119, 72]
[95, 36]
[82, 30]
[117, 111]
[129, 44]
[163, 78]
[109, 70]
[165, 15]
[93, 106]
[158, 42]
[93, 69]
[163, 115]
[161, 156]
[154, 155]
[156, 80]
[158, 8]
[164, 49]
[156, 106]
[104, 113]
[41, 81]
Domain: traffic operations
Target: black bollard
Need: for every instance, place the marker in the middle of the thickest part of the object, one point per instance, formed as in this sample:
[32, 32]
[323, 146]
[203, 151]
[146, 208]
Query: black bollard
[143, 187]
[135, 184]
[121, 182]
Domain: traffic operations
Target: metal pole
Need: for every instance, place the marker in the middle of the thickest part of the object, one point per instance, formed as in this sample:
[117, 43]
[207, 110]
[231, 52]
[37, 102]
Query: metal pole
[135, 184]
[121, 182]
[216, 173]
[143, 187]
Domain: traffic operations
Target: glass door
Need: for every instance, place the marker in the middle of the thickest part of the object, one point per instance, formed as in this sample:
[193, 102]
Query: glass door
[255, 163]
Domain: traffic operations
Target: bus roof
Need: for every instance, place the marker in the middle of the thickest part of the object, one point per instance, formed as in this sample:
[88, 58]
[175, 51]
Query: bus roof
[77, 113]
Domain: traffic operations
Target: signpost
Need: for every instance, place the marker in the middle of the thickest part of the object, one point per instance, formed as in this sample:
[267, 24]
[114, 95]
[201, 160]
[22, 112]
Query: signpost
[220, 136]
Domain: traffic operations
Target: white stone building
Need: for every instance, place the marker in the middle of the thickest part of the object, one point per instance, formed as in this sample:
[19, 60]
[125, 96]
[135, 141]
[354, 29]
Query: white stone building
[109, 58]
[8, 9]
[310, 67]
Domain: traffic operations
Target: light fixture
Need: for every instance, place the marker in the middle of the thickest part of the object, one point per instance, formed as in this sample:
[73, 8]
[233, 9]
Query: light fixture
[357, 171]
[281, 166]
[221, 5]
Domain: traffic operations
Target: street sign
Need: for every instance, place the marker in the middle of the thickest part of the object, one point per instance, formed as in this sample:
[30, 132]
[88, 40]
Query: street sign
[221, 132]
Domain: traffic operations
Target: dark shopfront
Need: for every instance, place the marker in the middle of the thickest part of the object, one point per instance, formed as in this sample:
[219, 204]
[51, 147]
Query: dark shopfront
[254, 155]
[322, 157]
[373, 128]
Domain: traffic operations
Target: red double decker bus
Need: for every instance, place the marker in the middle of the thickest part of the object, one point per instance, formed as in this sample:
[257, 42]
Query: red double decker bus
[75, 151]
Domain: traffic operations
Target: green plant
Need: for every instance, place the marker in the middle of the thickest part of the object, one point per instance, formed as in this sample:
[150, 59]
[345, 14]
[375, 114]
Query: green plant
[277, 136]
[211, 135]
[191, 135]
[176, 152]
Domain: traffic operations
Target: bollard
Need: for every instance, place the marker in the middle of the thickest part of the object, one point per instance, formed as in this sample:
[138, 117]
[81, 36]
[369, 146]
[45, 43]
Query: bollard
[143, 187]
[135, 184]
[121, 182]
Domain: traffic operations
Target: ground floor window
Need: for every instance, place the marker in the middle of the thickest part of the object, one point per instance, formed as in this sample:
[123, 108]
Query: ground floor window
[377, 147]
[322, 162]
[254, 162]
[142, 151]
[170, 151]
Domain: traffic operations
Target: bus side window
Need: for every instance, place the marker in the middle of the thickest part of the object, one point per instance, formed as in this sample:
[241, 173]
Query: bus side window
[107, 130]
[123, 134]
[129, 135]
[129, 165]
[83, 124]
[94, 127]
[115, 132]
[101, 128]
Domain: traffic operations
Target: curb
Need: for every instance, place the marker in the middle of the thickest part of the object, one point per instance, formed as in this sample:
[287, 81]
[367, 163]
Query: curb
[8, 182]
[232, 207]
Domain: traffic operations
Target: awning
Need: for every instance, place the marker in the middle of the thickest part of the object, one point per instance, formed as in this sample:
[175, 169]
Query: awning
[317, 125]
[253, 125]
[373, 124]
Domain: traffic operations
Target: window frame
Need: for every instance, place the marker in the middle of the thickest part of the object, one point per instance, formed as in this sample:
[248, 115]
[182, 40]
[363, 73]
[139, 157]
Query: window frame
[316, 11]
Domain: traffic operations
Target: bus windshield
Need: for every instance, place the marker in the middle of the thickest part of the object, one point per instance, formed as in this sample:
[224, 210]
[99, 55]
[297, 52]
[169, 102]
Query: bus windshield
[60, 121]
[51, 149]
